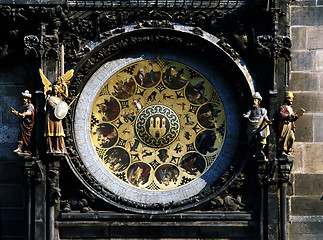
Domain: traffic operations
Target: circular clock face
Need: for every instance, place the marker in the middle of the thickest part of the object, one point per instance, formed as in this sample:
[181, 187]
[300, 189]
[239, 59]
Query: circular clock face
[155, 130]
[157, 125]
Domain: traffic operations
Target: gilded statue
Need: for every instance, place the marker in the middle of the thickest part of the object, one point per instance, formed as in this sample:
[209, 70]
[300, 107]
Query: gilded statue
[286, 125]
[55, 110]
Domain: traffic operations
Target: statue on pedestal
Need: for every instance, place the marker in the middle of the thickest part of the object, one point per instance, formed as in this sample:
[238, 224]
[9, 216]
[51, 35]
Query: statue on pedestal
[257, 129]
[286, 125]
[55, 110]
[26, 116]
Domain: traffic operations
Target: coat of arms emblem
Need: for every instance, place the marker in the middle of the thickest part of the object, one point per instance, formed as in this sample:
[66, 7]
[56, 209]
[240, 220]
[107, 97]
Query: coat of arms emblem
[157, 126]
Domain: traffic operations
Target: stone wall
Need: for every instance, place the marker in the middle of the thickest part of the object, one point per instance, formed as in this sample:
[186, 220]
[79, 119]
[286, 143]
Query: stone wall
[11, 187]
[306, 202]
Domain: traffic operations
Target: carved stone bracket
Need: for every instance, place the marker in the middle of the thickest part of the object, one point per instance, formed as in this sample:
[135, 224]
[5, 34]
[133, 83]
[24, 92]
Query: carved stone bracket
[262, 169]
[280, 169]
[231, 199]
[285, 165]
[276, 47]
[54, 192]
[272, 171]
[34, 171]
[80, 204]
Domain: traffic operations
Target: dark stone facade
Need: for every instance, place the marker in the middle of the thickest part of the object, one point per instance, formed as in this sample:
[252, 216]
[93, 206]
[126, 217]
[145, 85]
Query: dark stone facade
[45, 197]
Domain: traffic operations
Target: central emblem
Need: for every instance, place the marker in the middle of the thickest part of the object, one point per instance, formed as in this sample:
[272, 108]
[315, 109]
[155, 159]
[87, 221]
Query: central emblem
[157, 126]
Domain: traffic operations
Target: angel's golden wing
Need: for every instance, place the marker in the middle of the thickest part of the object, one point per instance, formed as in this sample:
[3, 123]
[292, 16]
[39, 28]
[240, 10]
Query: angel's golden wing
[67, 76]
[65, 79]
[46, 82]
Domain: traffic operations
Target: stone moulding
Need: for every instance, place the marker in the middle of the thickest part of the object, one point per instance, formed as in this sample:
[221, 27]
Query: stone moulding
[119, 41]
[216, 4]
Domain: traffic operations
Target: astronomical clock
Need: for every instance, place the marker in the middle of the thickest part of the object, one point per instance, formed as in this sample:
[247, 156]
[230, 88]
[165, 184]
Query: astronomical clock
[157, 125]
[156, 132]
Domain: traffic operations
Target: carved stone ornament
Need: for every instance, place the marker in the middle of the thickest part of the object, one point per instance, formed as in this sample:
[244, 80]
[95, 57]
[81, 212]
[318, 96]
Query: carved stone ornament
[32, 43]
[79, 22]
[54, 191]
[118, 156]
[278, 46]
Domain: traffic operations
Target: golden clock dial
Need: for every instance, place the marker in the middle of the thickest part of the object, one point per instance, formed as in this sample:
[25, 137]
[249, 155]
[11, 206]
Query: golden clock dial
[157, 124]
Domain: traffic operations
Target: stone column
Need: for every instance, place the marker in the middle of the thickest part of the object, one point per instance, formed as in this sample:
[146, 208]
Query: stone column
[53, 195]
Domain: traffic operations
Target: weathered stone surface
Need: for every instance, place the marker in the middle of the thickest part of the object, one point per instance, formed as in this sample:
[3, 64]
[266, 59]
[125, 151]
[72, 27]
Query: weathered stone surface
[304, 2]
[306, 205]
[318, 128]
[301, 184]
[11, 195]
[298, 35]
[321, 84]
[306, 34]
[319, 60]
[306, 228]
[297, 236]
[304, 128]
[314, 40]
[308, 16]
[303, 61]
[310, 101]
[272, 216]
[305, 81]
[312, 157]
[298, 154]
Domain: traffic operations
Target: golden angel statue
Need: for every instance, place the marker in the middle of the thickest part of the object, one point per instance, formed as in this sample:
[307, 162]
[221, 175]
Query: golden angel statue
[55, 109]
